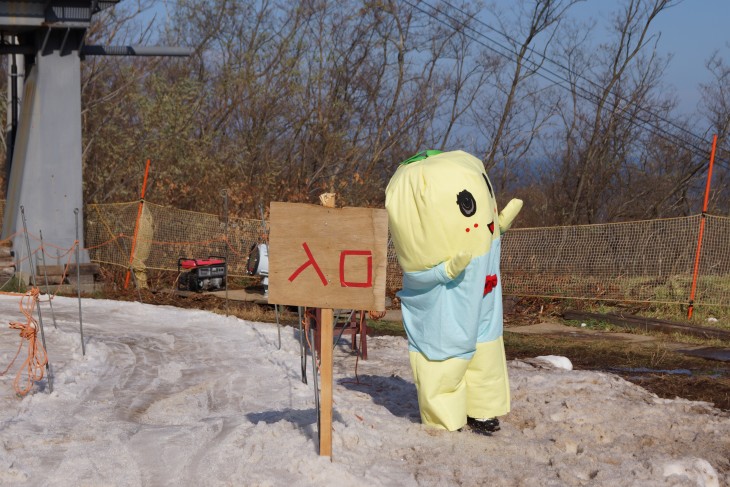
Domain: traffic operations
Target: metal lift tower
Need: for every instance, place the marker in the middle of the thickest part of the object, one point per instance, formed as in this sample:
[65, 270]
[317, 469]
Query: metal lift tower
[44, 41]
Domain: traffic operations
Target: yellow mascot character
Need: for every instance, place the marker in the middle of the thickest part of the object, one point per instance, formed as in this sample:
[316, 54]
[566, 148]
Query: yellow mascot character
[446, 231]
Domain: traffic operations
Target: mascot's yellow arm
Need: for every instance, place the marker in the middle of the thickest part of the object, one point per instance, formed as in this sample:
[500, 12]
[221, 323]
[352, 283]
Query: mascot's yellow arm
[508, 215]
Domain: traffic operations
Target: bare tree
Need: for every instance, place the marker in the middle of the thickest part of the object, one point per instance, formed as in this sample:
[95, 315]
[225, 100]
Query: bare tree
[525, 106]
[616, 108]
[113, 144]
[716, 107]
[282, 101]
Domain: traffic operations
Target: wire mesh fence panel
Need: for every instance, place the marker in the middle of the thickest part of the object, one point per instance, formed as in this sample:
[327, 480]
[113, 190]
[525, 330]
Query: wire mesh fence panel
[648, 260]
[713, 283]
[644, 261]
[108, 232]
[394, 274]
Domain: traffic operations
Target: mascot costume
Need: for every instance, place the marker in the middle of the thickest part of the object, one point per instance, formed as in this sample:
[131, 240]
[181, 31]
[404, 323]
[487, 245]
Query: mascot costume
[445, 228]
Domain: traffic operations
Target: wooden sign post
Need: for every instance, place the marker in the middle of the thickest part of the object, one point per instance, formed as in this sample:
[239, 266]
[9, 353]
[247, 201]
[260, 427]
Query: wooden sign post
[326, 257]
[326, 364]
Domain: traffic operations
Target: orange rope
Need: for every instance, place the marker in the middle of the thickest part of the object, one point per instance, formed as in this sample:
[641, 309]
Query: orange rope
[310, 314]
[37, 358]
[359, 351]
[230, 247]
[10, 238]
[66, 268]
[221, 238]
[111, 240]
[376, 315]
[48, 244]
[182, 242]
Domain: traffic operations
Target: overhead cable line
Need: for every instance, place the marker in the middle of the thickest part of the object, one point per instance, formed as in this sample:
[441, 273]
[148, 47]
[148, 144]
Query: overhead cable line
[540, 70]
[565, 68]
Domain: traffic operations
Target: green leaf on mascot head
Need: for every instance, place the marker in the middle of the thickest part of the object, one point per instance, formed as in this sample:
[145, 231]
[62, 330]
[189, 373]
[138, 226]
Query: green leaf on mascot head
[420, 156]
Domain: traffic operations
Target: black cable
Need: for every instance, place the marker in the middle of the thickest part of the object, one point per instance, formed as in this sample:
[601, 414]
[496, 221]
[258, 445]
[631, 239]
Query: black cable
[561, 66]
[582, 92]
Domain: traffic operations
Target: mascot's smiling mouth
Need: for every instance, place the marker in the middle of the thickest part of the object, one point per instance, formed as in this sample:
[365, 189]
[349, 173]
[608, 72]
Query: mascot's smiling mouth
[490, 226]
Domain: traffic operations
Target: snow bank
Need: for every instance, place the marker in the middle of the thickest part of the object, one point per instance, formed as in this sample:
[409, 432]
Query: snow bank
[166, 396]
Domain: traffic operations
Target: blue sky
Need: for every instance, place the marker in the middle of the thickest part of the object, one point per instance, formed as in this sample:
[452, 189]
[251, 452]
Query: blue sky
[690, 31]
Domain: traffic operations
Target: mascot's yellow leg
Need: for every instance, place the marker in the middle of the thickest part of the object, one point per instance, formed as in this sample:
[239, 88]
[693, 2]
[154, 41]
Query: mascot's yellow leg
[441, 390]
[487, 385]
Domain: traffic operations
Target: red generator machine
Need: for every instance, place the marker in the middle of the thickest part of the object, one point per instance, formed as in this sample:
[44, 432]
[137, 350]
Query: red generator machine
[201, 274]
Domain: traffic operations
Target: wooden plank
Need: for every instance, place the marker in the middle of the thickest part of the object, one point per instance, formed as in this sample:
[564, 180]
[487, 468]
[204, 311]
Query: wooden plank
[61, 279]
[325, 400]
[70, 288]
[644, 324]
[91, 268]
[327, 257]
[50, 279]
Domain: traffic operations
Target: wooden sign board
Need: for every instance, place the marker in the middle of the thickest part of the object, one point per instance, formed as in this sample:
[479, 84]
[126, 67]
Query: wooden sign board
[327, 257]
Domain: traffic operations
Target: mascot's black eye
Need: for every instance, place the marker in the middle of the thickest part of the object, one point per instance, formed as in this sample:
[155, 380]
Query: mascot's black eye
[489, 186]
[466, 202]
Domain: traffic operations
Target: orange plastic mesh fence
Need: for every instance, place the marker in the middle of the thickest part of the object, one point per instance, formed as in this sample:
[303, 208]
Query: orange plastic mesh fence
[648, 261]
[175, 234]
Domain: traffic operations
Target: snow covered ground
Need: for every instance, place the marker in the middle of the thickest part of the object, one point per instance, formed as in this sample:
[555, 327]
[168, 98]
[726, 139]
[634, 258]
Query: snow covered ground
[166, 396]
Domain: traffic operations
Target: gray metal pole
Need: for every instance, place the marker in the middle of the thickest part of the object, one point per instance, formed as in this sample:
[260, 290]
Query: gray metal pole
[278, 325]
[40, 315]
[136, 51]
[136, 284]
[302, 349]
[45, 276]
[313, 348]
[78, 281]
[224, 192]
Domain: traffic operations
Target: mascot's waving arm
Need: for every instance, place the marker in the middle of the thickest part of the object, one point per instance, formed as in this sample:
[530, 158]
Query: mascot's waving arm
[508, 215]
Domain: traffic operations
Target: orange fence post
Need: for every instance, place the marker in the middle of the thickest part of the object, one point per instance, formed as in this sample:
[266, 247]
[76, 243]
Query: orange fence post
[136, 224]
[695, 274]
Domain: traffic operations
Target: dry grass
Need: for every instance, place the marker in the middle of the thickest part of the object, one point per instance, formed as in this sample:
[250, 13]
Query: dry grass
[655, 367]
